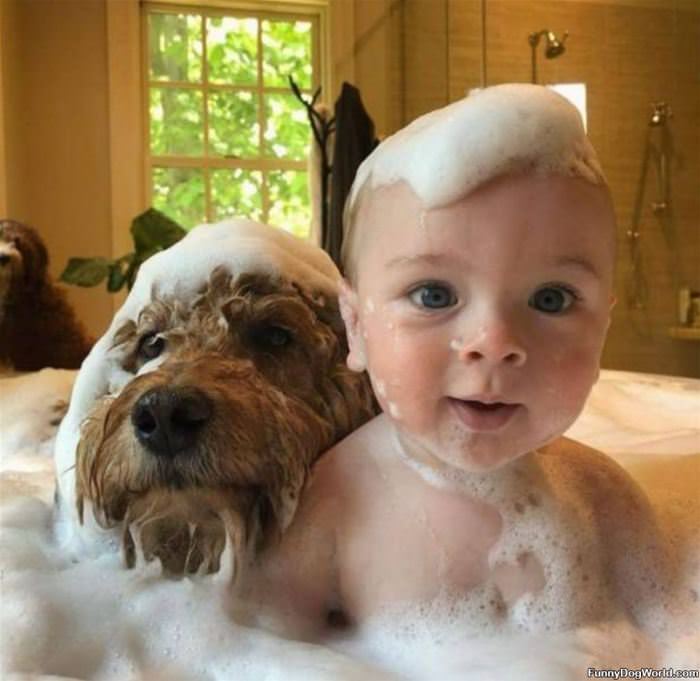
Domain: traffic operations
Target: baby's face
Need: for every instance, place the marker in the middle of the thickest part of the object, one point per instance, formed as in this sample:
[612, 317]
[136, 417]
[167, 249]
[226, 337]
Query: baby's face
[481, 323]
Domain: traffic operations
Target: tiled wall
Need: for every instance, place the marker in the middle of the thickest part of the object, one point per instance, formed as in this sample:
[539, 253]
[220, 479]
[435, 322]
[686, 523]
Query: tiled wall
[629, 53]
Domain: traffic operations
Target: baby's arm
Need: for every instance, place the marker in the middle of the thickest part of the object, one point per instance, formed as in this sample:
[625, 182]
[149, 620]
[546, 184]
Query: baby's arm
[291, 589]
[639, 555]
[636, 554]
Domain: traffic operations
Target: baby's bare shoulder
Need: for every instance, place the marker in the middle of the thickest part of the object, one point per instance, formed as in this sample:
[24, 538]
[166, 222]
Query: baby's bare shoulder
[351, 461]
[633, 547]
[571, 451]
[587, 471]
[604, 491]
[597, 484]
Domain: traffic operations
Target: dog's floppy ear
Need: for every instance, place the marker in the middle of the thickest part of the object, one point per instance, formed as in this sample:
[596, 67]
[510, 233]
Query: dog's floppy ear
[348, 394]
[345, 393]
[297, 435]
[351, 400]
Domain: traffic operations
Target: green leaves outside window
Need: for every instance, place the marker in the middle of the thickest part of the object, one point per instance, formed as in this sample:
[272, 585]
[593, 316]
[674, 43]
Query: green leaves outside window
[226, 137]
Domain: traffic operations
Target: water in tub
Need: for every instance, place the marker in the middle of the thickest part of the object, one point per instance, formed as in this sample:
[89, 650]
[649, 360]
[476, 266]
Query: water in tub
[94, 619]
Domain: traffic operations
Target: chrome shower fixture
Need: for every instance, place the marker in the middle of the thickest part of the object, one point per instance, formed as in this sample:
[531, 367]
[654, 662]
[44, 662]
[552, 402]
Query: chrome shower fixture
[656, 158]
[552, 49]
[660, 113]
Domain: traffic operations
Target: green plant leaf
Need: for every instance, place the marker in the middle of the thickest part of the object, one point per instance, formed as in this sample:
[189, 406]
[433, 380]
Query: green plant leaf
[86, 271]
[116, 278]
[153, 231]
[131, 272]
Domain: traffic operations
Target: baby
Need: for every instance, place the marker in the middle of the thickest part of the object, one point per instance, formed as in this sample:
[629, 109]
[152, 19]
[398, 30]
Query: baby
[479, 256]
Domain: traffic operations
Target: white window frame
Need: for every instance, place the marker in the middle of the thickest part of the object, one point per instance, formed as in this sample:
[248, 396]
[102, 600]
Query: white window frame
[290, 11]
[126, 136]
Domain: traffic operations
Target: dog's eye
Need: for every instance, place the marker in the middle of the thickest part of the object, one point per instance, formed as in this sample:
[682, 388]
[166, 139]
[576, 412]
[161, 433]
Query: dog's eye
[151, 346]
[271, 337]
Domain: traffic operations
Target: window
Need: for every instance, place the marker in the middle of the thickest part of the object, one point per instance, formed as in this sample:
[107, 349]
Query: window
[226, 136]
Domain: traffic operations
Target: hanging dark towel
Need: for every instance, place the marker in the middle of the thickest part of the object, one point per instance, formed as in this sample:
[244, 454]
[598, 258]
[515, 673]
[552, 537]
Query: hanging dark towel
[354, 140]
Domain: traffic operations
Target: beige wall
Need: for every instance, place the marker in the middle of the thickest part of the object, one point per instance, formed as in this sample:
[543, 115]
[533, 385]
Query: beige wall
[365, 37]
[3, 163]
[629, 53]
[70, 123]
[54, 103]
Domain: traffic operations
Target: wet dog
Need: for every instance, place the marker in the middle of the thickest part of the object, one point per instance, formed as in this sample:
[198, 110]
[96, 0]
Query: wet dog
[225, 395]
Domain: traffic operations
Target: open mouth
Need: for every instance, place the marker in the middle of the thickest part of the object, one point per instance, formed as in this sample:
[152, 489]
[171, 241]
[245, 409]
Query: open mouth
[484, 416]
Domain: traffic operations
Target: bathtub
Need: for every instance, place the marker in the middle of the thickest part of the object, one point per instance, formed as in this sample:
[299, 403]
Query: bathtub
[93, 619]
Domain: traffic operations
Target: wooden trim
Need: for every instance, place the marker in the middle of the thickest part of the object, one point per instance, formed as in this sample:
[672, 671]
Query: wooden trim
[4, 210]
[231, 6]
[221, 87]
[128, 198]
[4, 190]
[340, 51]
[691, 333]
[223, 163]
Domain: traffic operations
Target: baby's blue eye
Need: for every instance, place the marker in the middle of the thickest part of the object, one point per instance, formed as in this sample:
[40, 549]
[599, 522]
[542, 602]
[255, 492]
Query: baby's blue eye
[433, 296]
[552, 299]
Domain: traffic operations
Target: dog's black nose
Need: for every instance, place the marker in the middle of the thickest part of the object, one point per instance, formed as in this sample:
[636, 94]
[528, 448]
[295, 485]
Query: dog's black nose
[4, 259]
[170, 420]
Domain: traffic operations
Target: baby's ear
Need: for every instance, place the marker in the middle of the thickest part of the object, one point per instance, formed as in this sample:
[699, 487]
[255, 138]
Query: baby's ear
[349, 310]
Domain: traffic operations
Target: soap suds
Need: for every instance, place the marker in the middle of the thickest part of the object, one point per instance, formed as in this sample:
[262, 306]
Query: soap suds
[94, 619]
[394, 410]
[447, 153]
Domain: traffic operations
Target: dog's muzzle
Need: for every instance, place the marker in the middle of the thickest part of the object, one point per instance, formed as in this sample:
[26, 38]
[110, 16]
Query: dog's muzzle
[168, 421]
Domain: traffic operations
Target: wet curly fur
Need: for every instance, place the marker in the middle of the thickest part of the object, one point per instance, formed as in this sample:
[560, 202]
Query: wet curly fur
[256, 368]
[38, 327]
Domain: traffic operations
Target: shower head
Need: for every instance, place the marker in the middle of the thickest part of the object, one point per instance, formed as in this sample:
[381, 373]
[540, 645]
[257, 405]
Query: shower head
[553, 47]
[661, 112]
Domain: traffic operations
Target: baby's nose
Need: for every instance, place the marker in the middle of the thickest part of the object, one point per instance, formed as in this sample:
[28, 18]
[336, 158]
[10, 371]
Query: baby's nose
[495, 343]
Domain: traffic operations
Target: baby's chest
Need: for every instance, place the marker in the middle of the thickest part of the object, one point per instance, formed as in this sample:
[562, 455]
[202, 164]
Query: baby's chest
[549, 564]
[528, 569]
[413, 552]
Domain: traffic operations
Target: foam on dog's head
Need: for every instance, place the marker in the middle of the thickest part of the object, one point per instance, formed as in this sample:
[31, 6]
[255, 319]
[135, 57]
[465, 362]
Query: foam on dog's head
[446, 154]
[240, 246]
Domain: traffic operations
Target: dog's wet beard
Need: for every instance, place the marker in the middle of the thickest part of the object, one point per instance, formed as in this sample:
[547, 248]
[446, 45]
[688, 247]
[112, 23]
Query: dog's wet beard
[187, 530]
[268, 417]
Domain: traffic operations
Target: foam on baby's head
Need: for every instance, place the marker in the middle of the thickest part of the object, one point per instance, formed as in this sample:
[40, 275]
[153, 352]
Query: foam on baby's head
[448, 153]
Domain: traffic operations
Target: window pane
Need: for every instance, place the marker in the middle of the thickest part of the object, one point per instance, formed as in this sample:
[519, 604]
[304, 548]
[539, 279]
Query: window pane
[232, 50]
[289, 201]
[176, 122]
[233, 124]
[175, 42]
[287, 129]
[236, 193]
[179, 193]
[287, 52]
